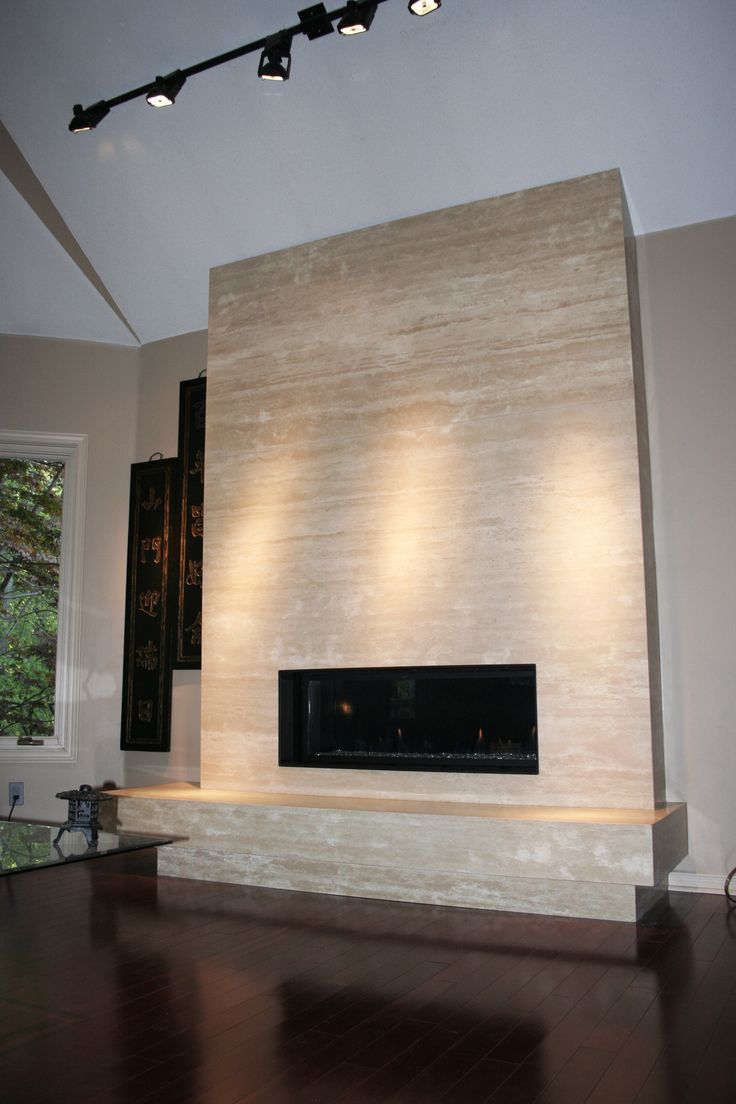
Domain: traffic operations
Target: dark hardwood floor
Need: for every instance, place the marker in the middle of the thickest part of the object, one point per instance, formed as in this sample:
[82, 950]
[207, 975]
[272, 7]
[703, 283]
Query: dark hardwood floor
[118, 986]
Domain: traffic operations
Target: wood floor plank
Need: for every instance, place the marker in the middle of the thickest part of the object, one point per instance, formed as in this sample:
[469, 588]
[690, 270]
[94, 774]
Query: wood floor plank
[162, 990]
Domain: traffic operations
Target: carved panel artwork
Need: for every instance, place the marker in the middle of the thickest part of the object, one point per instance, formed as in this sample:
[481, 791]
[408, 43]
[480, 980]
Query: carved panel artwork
[152, 547]
[187, 650]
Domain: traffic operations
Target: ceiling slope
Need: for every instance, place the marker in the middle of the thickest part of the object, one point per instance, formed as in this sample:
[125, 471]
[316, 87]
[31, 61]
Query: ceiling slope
[478, 99]
[42, 291]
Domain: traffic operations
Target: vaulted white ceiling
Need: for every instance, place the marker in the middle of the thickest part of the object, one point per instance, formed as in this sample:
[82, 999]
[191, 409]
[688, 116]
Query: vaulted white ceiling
[482, 97]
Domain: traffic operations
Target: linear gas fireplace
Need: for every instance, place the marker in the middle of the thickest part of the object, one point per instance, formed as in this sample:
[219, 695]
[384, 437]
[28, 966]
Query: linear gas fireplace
[476, 718]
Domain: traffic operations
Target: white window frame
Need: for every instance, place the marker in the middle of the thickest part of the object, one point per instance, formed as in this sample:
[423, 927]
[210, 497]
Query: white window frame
[71, 448]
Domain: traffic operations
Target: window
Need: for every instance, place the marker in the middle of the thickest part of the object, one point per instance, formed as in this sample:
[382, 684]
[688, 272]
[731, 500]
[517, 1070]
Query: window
[47, 559]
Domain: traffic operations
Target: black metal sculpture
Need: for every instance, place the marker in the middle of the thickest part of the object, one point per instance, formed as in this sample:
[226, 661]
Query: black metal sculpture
[82, 817]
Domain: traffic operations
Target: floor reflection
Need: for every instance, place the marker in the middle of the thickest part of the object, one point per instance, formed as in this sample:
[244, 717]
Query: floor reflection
[422, 1043]
[157, 990]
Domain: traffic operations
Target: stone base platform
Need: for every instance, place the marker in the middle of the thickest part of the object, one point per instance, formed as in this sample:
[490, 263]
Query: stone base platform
[609, 864]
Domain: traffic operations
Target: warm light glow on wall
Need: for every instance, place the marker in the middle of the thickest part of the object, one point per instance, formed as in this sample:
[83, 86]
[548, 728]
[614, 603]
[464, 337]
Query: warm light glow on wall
[588, 525]
[409, 472]
[260, 514]
[407, 477]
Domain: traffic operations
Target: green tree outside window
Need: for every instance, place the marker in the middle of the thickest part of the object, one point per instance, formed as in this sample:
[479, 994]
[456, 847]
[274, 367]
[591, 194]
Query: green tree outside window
[31, 493]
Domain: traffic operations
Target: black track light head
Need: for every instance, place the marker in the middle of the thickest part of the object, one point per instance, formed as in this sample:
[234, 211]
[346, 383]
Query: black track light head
[87, 118]
[357, 18]
[164, 90]
[275, 63]
[424, 7]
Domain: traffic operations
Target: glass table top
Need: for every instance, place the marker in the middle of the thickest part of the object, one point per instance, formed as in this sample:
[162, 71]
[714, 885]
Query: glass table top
[31, 846]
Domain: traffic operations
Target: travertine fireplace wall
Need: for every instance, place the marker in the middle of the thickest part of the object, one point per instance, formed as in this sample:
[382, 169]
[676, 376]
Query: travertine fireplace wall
[422, 448]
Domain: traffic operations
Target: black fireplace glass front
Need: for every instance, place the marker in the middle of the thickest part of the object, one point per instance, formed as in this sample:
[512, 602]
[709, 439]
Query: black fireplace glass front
[471, 718]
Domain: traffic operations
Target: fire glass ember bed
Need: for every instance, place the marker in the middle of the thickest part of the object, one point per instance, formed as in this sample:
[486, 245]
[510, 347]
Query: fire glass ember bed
[473, 718]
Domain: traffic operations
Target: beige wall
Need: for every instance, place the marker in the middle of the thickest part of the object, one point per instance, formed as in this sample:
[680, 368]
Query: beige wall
[688, 305]
[422, 448]
[126, 401]
[81, 387]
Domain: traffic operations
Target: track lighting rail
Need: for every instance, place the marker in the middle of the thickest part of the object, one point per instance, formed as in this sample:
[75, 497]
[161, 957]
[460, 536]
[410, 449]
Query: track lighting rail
[315, 21]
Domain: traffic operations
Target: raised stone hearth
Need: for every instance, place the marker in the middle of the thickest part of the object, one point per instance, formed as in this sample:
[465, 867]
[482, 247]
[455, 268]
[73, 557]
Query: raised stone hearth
[605, 863]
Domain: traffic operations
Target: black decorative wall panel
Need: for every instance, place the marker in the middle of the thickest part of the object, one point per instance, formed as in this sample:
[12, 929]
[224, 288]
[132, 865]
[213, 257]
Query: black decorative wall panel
[187, 651]
[152, 547]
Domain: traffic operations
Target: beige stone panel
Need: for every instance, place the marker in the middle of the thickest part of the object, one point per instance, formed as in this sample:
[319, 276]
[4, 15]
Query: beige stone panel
[422, 449]
[604, 902]
[670, 838]
[563, 851]
[647, 513]
[182, 794]
[546, 845]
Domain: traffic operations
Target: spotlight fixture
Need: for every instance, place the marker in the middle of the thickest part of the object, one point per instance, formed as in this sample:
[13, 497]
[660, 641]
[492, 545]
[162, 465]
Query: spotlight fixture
[275, 63]
[354, 17]
[87, 118]
[424, 7]
[164, 90]
[357, 18]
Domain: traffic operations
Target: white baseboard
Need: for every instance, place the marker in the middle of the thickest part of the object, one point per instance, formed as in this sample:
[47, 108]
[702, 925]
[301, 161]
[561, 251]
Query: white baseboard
[697, 883]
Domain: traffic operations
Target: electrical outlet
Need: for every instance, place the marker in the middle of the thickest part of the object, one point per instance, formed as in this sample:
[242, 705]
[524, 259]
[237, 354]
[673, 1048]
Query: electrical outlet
[15, 793]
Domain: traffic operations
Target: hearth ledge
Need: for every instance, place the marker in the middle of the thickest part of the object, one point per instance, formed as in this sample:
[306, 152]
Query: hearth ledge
[554, 860]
